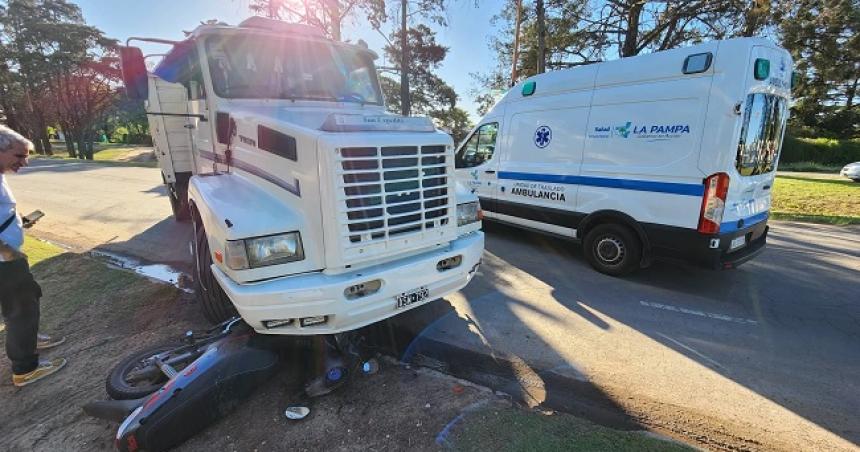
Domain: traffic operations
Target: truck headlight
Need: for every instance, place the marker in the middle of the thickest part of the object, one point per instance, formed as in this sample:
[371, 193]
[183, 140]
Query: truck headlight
[469, 212]
[264, 251]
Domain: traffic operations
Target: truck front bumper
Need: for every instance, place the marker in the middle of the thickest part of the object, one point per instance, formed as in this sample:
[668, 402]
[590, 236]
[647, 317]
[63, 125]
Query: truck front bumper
[310, 295]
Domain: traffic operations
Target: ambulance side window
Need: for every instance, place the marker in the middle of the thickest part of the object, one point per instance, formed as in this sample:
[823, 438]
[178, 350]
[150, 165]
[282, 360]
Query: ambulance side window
[479, 147]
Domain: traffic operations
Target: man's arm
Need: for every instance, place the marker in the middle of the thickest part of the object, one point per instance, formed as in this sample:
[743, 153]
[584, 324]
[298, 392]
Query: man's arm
[8, 254]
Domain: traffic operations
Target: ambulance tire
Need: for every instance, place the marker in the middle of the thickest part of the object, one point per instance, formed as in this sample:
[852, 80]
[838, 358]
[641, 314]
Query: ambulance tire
[214, 302]
[612, 249]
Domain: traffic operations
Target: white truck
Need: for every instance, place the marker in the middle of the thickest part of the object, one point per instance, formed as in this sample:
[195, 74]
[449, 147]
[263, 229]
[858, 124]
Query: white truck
[314, 211]
[668, 155]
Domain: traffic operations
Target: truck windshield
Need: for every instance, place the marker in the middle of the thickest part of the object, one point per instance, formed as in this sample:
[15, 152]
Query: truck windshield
[761, 135]
[264, 68]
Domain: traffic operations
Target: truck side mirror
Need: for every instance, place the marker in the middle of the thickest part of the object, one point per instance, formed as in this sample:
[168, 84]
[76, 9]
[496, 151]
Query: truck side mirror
[134, 74]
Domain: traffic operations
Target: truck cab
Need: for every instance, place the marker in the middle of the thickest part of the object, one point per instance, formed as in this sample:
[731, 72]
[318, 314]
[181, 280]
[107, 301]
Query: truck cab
[315, 211]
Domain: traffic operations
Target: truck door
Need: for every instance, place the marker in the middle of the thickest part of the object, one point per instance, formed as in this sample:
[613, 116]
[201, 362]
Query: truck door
[171, 136]
[477, 163]
[764, 115]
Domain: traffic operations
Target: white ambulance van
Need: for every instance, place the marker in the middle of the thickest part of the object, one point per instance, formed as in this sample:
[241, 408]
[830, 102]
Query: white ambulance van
[666, 155]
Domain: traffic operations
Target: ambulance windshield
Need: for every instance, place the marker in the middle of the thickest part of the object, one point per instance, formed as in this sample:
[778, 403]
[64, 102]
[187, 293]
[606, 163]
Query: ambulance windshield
[761, 135]
[264, 68]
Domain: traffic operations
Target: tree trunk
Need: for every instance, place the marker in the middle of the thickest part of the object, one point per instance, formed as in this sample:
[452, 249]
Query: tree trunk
[91, 136]
[37, 145]
[631, 37]
[333, 7]
[82, 145]
[850, 92]
[46, 140]
[515, 59]
[70, 144]
[755, 17]
[405, 104]
[541, 29]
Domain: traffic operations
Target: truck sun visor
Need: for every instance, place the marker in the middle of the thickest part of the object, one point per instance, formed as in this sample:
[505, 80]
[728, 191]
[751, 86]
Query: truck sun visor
[390, 123]
[175, 65]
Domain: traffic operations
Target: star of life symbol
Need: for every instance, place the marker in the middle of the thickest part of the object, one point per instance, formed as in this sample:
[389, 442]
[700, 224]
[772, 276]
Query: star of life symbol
[543, 135]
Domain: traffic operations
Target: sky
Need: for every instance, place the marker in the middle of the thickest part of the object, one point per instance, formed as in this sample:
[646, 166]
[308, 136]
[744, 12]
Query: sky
[466, 36]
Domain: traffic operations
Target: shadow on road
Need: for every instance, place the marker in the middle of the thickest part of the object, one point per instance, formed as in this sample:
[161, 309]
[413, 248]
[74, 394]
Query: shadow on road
[789, 327]
[166, 242]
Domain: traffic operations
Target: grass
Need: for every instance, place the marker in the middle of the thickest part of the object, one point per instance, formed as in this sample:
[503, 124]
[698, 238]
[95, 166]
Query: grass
[77, 287]
[512, 429]
[816, 200]
[110, 153]
[38, 251]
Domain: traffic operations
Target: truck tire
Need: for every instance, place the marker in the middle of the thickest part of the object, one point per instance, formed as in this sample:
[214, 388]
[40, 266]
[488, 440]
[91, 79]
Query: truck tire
[178, 195]
[179, 203]
[216, 306]
[612, 249]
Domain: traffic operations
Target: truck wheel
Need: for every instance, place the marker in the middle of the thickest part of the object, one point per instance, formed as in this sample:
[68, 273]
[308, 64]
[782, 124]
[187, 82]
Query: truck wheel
[178, 195]
[217, 307]
[612, 249]
[179, 204]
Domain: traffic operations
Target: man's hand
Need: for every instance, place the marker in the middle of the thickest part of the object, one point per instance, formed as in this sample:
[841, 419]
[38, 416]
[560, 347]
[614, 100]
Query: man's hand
[31, 219]
[8, 254]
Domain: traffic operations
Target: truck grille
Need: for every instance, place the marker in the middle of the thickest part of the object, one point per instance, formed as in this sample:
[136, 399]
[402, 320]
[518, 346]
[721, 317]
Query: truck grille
[392, 191]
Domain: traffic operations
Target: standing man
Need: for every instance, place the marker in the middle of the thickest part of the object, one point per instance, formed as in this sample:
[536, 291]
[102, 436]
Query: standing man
[19, 292]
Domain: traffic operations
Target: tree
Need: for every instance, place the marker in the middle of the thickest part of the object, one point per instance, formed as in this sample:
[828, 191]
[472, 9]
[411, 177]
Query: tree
[823, 37]
[429, 94]
[326, 15]
[82, 98]
[586, 32]
[39, 40]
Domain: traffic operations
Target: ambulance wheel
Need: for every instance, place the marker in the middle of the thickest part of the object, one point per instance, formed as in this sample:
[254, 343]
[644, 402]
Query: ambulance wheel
[217, 307]
[612, 249]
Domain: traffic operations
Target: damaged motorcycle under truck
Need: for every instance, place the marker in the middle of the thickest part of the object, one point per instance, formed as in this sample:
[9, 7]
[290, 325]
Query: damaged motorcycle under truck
[315, 213]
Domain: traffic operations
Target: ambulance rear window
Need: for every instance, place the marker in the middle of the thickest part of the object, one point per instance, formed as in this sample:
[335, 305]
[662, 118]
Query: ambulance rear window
[761, 135]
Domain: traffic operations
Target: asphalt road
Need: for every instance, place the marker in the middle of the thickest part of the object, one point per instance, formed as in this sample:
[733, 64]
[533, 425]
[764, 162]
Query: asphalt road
[763, 357]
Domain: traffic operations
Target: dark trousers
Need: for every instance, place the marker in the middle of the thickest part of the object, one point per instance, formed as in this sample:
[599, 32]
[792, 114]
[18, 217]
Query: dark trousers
[19, 297]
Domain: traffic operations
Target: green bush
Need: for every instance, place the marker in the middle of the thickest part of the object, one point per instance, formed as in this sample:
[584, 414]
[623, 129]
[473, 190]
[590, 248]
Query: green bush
[809, 167]
[825, 151]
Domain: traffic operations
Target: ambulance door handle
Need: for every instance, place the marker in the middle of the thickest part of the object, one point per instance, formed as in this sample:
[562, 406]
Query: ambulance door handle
[489, 171]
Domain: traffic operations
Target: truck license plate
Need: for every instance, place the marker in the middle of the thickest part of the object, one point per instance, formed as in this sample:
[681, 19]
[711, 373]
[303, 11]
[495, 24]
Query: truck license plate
[413, 296]
[738, 242]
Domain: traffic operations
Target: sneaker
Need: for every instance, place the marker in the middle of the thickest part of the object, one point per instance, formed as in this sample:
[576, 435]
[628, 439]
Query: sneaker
[44, 342]
[44, 369]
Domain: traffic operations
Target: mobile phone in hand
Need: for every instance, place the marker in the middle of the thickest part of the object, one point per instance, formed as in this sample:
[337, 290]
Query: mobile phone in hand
[31, 218]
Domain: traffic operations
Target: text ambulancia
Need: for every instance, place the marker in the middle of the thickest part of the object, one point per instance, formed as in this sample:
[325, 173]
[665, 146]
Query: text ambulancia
[667, 155]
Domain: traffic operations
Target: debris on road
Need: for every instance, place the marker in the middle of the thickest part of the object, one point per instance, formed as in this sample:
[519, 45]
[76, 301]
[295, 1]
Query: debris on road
[297, 412]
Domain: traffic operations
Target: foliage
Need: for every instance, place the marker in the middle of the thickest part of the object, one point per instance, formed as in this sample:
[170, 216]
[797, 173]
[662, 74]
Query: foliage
[809, 167]
[429, 94]
[327, 16]
[823, 36]
[83, 95]
[48, 56]
[826, 151]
